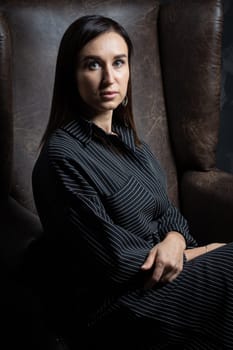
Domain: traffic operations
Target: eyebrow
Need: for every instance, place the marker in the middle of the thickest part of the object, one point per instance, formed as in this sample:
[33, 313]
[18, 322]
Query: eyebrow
[94, 57]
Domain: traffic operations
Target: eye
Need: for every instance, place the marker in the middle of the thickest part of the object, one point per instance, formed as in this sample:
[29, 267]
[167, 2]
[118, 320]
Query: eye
[118, 63]
[93, 65]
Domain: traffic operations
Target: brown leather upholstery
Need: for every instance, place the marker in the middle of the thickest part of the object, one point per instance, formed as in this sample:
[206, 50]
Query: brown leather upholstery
[176, 95]
[191, 62]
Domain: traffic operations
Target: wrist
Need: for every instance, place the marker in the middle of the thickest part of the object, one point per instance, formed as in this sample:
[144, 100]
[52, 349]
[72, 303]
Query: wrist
[175, 234]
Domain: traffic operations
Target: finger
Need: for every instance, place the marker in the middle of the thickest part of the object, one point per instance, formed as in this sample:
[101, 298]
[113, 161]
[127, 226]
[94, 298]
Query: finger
[158, 271]
[171, 275]
[155, 276]
[149, 262]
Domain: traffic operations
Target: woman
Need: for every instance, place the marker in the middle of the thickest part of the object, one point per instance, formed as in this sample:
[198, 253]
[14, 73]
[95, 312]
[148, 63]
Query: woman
[119, 253]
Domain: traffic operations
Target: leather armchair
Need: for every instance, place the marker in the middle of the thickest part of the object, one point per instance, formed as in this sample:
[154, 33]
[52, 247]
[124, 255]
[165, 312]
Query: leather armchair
[176, 94]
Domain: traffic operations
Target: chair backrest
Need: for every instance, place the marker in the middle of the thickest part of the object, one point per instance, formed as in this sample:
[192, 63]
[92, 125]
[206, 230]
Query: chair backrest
[190, 51]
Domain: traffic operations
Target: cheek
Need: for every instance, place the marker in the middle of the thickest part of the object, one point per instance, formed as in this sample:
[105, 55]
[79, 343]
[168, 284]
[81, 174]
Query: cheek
[125, 81]
[85, 85]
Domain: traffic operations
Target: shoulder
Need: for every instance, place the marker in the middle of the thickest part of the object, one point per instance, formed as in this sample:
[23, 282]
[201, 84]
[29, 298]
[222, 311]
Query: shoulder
[63, 143]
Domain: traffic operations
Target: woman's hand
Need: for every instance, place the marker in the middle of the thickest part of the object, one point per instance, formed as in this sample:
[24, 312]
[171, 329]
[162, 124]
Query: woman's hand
[195, 252]
[165, 260]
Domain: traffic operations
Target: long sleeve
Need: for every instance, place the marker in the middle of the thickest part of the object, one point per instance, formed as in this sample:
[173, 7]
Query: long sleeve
[172, 220]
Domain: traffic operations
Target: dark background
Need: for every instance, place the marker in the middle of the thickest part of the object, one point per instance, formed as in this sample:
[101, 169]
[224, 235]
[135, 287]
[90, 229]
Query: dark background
[225, 145]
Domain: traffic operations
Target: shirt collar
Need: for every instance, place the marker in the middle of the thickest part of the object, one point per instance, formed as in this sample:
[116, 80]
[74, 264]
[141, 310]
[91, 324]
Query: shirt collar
[82, 129]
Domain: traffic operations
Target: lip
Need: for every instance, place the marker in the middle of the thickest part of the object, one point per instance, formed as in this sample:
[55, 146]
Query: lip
[108, 95]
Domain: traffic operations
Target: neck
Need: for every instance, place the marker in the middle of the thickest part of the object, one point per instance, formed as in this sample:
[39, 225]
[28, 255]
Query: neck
[104, 122]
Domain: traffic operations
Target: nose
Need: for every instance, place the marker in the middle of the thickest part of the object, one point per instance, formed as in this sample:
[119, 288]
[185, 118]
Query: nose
[108, 74]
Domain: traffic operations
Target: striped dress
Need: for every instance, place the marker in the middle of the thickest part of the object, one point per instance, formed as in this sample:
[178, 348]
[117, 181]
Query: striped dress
[103, 203]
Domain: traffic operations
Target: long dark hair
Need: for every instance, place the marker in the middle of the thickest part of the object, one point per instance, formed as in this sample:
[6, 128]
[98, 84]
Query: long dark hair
[66, 101]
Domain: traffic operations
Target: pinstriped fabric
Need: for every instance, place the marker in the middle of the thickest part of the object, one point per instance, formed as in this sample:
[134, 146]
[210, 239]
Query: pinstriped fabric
[114, 208]
[197, 305]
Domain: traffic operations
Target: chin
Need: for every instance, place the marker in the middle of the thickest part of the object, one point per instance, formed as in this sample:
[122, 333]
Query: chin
[110, 105]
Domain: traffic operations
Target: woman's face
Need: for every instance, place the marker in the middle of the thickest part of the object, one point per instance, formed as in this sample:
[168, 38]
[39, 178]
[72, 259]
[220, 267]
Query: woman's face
[103, 72]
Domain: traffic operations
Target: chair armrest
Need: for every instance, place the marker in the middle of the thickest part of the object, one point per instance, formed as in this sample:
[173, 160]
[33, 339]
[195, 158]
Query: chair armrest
[207, 203]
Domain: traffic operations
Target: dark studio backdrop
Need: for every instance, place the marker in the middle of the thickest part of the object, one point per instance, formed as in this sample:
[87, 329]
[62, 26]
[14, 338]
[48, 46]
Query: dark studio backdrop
[225, 145]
